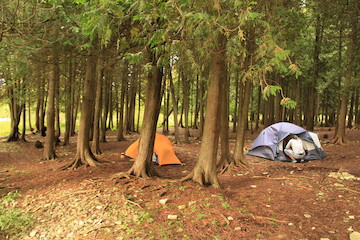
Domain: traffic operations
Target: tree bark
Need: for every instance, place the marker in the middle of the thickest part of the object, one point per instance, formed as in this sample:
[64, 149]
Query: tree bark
[120, 130]
[239, 156]
[68, 103]
[49, 148]
[95, 144]
[339, 137]
[205, 172]
[15, 113]
[84, 155]
[311, 91]
[225, 158]
[175, 106]
[143, 166]
[186, 106]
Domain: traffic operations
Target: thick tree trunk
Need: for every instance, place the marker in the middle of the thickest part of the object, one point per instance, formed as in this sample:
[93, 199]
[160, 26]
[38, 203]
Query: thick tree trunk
[84, 156]
[205, 172]
[143, 165]
[49, 148]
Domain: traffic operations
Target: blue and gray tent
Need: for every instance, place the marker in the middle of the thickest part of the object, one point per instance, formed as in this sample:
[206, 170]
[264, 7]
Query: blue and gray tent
[271, 142]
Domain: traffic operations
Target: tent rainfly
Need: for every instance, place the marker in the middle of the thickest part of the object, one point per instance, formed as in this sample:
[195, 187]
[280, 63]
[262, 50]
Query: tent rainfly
[163, 148]
[271, 142]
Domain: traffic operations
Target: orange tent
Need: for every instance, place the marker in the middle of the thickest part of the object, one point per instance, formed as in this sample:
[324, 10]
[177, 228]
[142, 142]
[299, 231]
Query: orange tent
[162, 147]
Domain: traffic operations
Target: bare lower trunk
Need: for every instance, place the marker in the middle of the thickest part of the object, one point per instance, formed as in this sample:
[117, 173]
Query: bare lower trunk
[225, 159]
[95, 144]
[49, 149]
[205, 171]
[84, 156]
[143, 166]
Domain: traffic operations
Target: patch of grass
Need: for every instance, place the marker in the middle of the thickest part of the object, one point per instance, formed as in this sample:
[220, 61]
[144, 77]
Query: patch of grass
[12, 220]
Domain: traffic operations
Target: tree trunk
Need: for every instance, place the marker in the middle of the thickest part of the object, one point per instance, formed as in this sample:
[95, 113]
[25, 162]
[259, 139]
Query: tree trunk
[57, 111]
[68, 103]
[175, 106]
[120, 130]
[236, 100]
[143, 166]
[49, 148]
[225, 159]
[339, 137]
[29, 116]
[165, 96]
[130, 109]
[84, 156]
[22, 138]
[186, 106]
[239, 156]
[351, 111]
[105, 109]
[196, 111]
[205, 172]
[202, 101]
[95, 144]
[15, 114]
[311, 91]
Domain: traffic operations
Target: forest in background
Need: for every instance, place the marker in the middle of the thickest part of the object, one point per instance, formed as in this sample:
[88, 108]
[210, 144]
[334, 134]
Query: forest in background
[209, 65]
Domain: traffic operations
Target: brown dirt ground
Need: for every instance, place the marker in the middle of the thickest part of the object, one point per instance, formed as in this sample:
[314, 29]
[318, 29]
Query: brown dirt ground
[265, 200]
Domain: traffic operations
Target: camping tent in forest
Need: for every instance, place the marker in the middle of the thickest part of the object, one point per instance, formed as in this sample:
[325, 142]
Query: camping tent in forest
[162, 147]
[271, 142]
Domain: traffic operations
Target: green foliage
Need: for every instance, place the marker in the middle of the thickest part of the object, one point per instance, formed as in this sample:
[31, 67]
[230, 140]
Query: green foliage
[270, 90]
[288, 103]
[12, 220]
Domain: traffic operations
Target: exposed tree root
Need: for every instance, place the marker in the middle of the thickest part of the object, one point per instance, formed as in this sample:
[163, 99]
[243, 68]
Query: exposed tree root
[339, 140]
[87, 159]
[13, 138]
[121, 175]
[202, 179]
[47, 158]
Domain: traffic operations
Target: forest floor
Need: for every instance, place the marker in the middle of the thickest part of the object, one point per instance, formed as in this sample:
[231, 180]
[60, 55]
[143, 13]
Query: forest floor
[265, 200]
